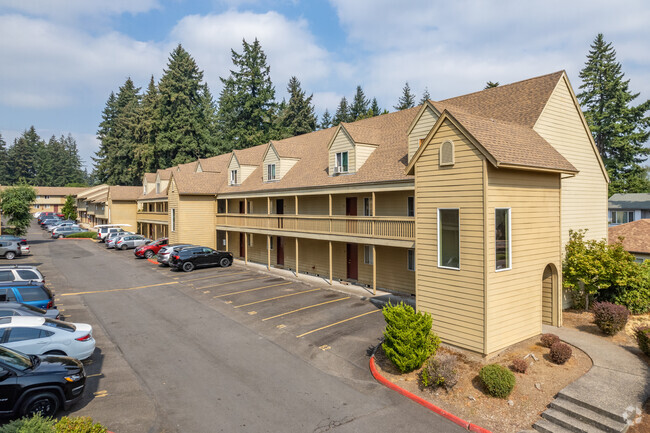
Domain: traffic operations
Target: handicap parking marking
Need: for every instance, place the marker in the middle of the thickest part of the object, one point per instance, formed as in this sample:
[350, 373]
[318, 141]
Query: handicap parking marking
[251, 290]
[277, 297]
[336, 323]
[305, 308]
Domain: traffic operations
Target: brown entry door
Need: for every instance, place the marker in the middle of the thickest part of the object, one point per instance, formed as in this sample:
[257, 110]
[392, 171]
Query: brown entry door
[280, 251]
[242, 245]
[353, 261]
[351, 210]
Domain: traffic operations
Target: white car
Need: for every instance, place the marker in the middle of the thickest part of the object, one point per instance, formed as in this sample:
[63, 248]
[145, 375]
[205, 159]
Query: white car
[42, 336]
[20, 273]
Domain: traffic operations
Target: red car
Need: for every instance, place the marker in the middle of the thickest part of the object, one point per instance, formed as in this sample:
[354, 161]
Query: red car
[151, 249]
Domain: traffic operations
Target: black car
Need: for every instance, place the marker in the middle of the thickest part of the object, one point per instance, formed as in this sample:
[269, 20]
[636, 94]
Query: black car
[31, 384]
[19, 309]
[196, 257]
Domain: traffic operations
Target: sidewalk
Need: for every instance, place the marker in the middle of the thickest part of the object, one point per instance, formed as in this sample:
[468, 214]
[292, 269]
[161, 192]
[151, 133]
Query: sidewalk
[608, 396]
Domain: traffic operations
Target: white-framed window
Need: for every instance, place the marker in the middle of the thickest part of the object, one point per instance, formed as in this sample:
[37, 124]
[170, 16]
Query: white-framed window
[47, 197]
[622, 216]
[233, 177]
[250, 240]
[36, 206]
[342, 162]
[502, 240]
[410, 206]
[410, 259]
[270, 172]
[173, 219]
[250, 206]
[449, 238]
[37, 197]
[367, 255]
[367, 206]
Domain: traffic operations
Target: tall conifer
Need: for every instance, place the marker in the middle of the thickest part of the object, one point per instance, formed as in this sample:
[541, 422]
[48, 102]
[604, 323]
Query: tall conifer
[360, 105]
[326, 120]
[407, 100]
[4, 162]
[23, 156]
[342, 113]
[298, 116]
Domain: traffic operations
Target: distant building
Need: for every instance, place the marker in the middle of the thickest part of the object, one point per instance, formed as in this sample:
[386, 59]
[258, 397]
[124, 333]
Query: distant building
[636, 236]
[625, 208]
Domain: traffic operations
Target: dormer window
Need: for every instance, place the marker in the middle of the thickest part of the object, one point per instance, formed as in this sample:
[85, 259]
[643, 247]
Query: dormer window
[341, 162]
[270, 171]
[233, 177]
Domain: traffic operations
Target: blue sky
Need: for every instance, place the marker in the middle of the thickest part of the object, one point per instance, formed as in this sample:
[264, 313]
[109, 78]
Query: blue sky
[60, 59]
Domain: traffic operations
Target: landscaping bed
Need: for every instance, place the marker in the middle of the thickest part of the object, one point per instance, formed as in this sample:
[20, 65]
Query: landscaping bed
[468, 400]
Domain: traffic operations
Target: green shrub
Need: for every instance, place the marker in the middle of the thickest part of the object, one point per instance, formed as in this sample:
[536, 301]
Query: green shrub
[81, 424]
[610, 318]
[548, 340]
[442, 371]
[560, 353]
[425, 379]
[408, 338]
[498, 380]
[91, 235]
[35, 424]
[637, 300]
[642, 334]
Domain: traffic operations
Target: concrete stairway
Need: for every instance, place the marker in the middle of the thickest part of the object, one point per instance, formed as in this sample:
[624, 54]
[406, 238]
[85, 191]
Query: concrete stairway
[567, 414]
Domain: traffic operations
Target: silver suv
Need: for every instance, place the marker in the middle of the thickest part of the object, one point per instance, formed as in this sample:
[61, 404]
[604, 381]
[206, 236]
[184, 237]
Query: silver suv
[20, 273]
[130, 241]
[10, 249]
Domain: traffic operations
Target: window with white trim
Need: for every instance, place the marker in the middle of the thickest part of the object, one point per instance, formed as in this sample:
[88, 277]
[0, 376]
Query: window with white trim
[341, 162]
[270, 172]
[502, 242]
[233, 177]
[173, 222]
[410, 259]
[250, 240]
[367, 206]
[622, 216]
[367, 255]
[410, 206]
[449, 238]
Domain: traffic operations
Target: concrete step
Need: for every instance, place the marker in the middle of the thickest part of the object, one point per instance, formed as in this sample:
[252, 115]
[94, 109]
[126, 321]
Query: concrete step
[546, 426]
[570, 423]
[576, 399]
[588, 416]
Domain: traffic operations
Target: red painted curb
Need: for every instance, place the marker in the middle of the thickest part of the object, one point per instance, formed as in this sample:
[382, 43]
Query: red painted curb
[153, 261]
[76, 239]
[451, 417]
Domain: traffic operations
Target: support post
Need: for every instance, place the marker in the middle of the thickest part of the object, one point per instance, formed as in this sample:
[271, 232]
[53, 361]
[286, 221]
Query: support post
[245, 246]
[245, 206]
[226, 206]
[330, 221]
[297, 255]
[227, 236]
[268, 252]
[373, 219]
[268, 205]
[296, 205]
[374, 268]
[330, 242]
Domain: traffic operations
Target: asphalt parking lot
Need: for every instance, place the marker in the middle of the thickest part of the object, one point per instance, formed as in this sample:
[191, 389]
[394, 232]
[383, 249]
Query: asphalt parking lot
[221, 349]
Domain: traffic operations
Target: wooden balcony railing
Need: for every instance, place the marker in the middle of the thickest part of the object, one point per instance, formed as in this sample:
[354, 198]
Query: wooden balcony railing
[371, 227]
[155, 216]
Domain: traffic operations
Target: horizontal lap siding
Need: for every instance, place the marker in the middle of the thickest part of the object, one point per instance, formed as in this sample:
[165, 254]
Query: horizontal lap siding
[362, 153]
[392, 271]
[515, 296]
[342, 144]
[271, 158]
[394, 203]
[454, 298]
[174, 236]
[421, 130]
[196, 220]
[313, 205]
[124, 213]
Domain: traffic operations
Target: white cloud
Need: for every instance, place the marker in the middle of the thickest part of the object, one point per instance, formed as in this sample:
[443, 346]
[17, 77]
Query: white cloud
[67, 9]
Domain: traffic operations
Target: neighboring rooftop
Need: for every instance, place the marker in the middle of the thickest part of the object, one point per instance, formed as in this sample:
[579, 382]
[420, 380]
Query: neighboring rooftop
[636, 236]
[630, 201]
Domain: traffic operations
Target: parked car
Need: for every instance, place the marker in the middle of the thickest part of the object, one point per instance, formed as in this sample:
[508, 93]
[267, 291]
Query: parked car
[197, 257]
[61, 224]
[150, 249]
[102, 232]
[43, 336]
[10, 249]
[164, 253]
[25, 250]
[130, 241]
[27, 292]
[20, 273]
[44, 215]
[49, 221]
[19, 309]
[20, 239]
[31, 384]
[111, 238]
[64, 231]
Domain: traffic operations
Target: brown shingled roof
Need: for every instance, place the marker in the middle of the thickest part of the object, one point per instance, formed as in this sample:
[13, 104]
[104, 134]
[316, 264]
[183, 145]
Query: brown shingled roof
[150, 177]
[125, 193]
[636, 234]
[58, 190]
[251, 155]
[200, 183]
[363, 134]
[217, 163]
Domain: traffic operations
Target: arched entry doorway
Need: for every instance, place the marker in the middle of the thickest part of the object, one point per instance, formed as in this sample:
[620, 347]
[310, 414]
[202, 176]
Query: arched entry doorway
[549, 293]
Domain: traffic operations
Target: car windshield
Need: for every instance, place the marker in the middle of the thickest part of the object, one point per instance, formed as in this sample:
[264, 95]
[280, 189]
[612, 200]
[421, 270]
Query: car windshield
[15, 359]
[60, 325]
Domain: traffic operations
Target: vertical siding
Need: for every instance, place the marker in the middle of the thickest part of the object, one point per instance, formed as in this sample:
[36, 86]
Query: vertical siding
[363, 151]
[420, 130]
[174, 236]
[271, 158]
[514, 304]
[196, 219]
[584, 197]
[454, 297]
[341, 144]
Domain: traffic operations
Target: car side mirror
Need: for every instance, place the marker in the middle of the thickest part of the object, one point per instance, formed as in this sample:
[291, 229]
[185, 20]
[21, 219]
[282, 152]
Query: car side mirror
[4, 374]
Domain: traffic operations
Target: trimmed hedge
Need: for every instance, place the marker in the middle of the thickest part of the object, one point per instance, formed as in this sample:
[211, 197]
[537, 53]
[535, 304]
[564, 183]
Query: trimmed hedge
[520, 365]
[642, 335]
[91, 235]
[610, 318]
[498, 380]
[560, 353]
[548, 340]
[81, 424]
[38, 424]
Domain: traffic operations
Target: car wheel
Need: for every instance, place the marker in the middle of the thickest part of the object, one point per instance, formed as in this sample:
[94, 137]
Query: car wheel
[148, 254]
[225, 262]
[188, 266]
[10, 255]
[61, 236]
[123, 247]
[55, 353]
[45, 404]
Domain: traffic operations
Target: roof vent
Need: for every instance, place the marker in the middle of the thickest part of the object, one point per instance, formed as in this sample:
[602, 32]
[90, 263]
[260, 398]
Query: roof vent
[447, 153]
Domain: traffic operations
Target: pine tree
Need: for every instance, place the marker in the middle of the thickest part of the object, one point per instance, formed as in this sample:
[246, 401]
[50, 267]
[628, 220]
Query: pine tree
[374, 107]
[491, 84]
[297, 117]
[425, 96]
[183, 132]
[619, 129]
[407, 100]
[23, 157]
[247, 107]
[342, 113]
[326, 120]
[146, 130]
[46, 162]
[71, 166]
[121, 167]
[106, 137]
[359, 105]
[4, 162]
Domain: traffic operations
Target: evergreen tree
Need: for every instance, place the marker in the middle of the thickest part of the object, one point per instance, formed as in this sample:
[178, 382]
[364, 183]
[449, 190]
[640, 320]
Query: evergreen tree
[619, 129]
[4, 162]
[342, 113]
[183, 132]
[247, 107]
[146, 130]
[374, 107]
[106, 137]
[425, 96]
[46, 162]
[297, 117]
[121, 169]
[407, 100]
[326, 120]
[23, 156]
[360, 105]
[69, 210]
[491, 84]
[71, 165]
